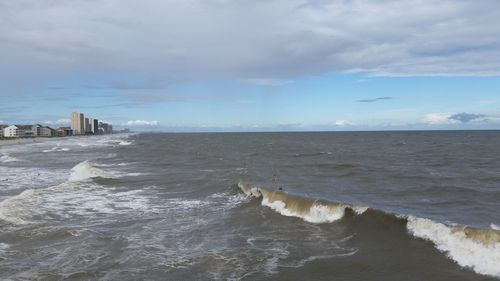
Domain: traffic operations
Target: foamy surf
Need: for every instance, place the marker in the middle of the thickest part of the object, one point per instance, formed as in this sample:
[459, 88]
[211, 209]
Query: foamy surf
[11, 209]
[478, 249]
[19, 209]
[73, 200]
[474, 248]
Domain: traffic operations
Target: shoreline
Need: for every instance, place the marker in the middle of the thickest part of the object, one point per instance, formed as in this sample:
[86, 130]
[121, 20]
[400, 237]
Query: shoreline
[6, 142]
[16, 141]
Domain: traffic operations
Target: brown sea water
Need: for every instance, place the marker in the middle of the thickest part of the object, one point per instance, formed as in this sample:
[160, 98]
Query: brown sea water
[253, 206]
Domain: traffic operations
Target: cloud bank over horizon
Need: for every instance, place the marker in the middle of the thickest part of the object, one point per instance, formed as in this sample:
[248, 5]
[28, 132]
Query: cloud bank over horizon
[142, 123]
[459, 118]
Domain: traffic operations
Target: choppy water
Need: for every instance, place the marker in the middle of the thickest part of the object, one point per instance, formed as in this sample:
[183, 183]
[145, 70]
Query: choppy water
[342, 206]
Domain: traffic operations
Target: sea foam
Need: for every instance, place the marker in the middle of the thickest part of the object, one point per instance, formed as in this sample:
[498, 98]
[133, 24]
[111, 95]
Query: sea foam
[466, 247]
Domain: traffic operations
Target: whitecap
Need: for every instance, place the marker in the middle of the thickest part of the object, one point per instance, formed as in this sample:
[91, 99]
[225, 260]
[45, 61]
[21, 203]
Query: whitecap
[6, 159]
[56, 149]
[19, 178]
[317, 213]
[4, 246]
[111, 165]
[12, 209]
[87, 170]
[467, 252]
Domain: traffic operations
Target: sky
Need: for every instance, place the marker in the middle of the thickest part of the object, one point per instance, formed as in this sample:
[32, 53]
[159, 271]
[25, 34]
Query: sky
[252, 65]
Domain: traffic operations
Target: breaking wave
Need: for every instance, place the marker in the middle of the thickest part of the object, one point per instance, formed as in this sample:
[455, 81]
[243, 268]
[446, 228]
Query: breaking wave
[56, 149]
[88, 170]
[315, 211]
[6, 159]
[10, 207]
[474, 248]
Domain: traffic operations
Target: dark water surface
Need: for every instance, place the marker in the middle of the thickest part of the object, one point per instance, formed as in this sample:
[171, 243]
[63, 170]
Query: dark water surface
[340, 206]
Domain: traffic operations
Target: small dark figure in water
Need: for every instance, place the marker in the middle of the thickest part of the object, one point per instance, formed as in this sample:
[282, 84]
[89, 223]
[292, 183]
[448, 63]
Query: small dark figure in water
[281, 188]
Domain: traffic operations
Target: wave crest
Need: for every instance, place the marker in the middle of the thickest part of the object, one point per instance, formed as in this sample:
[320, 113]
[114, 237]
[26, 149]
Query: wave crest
[88, 170]
[478, 249]
[56, 149]
[310, 210]
[10, 207]
[475, 248]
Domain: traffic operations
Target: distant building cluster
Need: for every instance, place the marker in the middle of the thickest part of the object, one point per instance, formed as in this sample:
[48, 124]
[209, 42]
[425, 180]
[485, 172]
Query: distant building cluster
[79, 126]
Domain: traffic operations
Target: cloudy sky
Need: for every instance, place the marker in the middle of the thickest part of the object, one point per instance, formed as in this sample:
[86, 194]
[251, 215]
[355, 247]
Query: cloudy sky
[258, 65]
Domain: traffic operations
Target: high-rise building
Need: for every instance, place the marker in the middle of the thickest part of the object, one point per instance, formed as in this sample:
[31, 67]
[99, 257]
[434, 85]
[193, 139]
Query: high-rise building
[77, 123]
[88, 129]
[94, 126]
[105, 128]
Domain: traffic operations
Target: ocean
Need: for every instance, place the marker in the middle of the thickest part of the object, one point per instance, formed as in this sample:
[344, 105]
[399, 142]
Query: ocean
[252, 206]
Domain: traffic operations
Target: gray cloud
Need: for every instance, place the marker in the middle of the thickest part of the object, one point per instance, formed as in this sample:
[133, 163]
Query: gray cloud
[375, 99]
[274, 40]
[466, 117]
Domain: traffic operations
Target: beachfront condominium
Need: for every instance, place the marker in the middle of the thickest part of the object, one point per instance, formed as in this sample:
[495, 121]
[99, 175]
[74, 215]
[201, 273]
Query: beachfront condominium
[77, 123]
[94, 126]
[88, 128]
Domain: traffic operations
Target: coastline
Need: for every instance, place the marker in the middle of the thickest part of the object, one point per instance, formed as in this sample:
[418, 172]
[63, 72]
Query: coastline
[6, 142]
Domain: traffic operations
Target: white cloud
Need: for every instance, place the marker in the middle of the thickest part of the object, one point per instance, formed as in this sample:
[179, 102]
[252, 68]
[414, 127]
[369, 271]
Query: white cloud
[458, 118]
[142, 123]
[342, 123]
[61, 121]
[439, 119]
